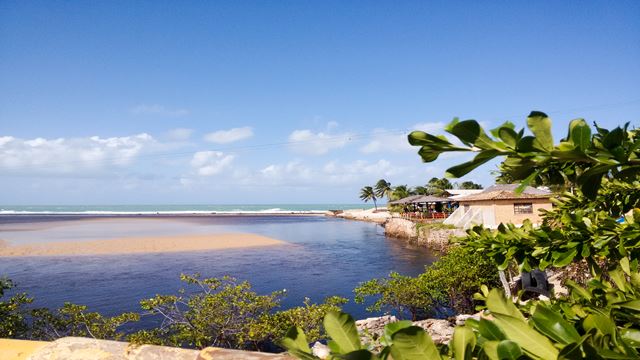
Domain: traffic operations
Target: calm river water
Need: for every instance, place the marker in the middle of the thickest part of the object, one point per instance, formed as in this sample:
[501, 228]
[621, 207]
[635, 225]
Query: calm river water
[329, 256]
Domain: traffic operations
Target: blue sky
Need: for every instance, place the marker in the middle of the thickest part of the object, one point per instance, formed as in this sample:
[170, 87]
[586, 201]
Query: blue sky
[289, 101]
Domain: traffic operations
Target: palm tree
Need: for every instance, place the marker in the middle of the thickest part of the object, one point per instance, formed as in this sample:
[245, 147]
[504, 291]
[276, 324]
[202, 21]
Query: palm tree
[383, 189]
[367, 193]
[421, 190]
[437, 186]
[469, 185]
[400, 192]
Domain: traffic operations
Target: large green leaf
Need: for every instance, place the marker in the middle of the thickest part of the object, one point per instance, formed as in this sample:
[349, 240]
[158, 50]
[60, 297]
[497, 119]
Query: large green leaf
[513, 324]
[540, 125]
[631, 336]
[564, 257]
[360, 355]
[295, 339]
[489, 330]
[601, 323]
[508, 136]
[631, 305]
[471, 133]
[413, 343]
[462, 343]
[342, 330]
[498, 304]
[421, 138]
[464, 168]
[490, 349]
[392, 328]
[580, 134]
[554, 326]
[509, 350]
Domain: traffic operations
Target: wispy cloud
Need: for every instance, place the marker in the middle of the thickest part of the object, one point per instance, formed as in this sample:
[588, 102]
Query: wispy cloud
[229, 136]
[180, 134]
[316, 143]
[156, 109]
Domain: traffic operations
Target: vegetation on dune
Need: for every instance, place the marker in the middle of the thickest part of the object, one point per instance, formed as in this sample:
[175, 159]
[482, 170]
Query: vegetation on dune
[597, 224]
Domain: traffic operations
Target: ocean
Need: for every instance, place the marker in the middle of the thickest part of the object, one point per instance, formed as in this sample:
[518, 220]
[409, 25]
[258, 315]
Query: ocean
[177, 209]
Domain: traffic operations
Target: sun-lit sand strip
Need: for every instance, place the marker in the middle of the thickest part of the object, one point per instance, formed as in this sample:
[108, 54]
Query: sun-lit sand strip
[136, 245]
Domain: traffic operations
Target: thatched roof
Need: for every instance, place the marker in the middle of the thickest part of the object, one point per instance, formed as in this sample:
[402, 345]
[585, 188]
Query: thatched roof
[406, 200]
[430, 199]
[418, 199]
[506, 192]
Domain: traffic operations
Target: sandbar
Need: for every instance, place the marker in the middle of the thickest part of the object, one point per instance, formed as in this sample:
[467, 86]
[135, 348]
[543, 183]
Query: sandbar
[137, 245]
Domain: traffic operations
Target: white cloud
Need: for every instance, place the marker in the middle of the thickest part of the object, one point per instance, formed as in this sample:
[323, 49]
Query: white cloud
[62, 156]
[229, 136]
[180, 134]
[388, 141]
[291, 172]
[308, 142]
[208, 163]
[359, 171]
[299, 174]
[156, 109]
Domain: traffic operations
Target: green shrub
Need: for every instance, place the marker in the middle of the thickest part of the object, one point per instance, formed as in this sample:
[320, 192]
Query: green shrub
[455, 277]
[226, 313]
[397, 293]
[449, 282]
[13, 315]
[74, 320]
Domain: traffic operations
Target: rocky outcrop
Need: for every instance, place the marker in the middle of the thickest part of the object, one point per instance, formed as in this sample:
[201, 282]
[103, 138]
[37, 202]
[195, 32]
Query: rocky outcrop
[424, 235]
[379, 216]
[440, 330]
[400, 228]
[437, 238]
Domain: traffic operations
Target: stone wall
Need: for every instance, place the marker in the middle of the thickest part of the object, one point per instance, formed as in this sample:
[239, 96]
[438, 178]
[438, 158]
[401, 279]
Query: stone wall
[437, 238]
[433, 238]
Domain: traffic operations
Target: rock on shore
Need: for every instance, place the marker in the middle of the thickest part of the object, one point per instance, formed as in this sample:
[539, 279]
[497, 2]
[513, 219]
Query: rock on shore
[380, 216]
[434, 238]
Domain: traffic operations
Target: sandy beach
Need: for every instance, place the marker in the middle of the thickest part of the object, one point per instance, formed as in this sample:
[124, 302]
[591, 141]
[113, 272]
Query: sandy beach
[133, 245]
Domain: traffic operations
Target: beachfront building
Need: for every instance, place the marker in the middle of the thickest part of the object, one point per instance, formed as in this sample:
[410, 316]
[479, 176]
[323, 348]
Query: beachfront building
[500, 204]
[424, 207]
[455, 194]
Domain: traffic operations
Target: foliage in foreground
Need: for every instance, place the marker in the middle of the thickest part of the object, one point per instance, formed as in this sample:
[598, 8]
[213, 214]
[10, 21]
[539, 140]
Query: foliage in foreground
[597, 223]
[545, 330]
[448, 283]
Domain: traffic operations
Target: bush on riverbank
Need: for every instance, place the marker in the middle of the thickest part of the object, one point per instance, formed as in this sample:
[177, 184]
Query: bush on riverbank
[448, 283]
[222, 312]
